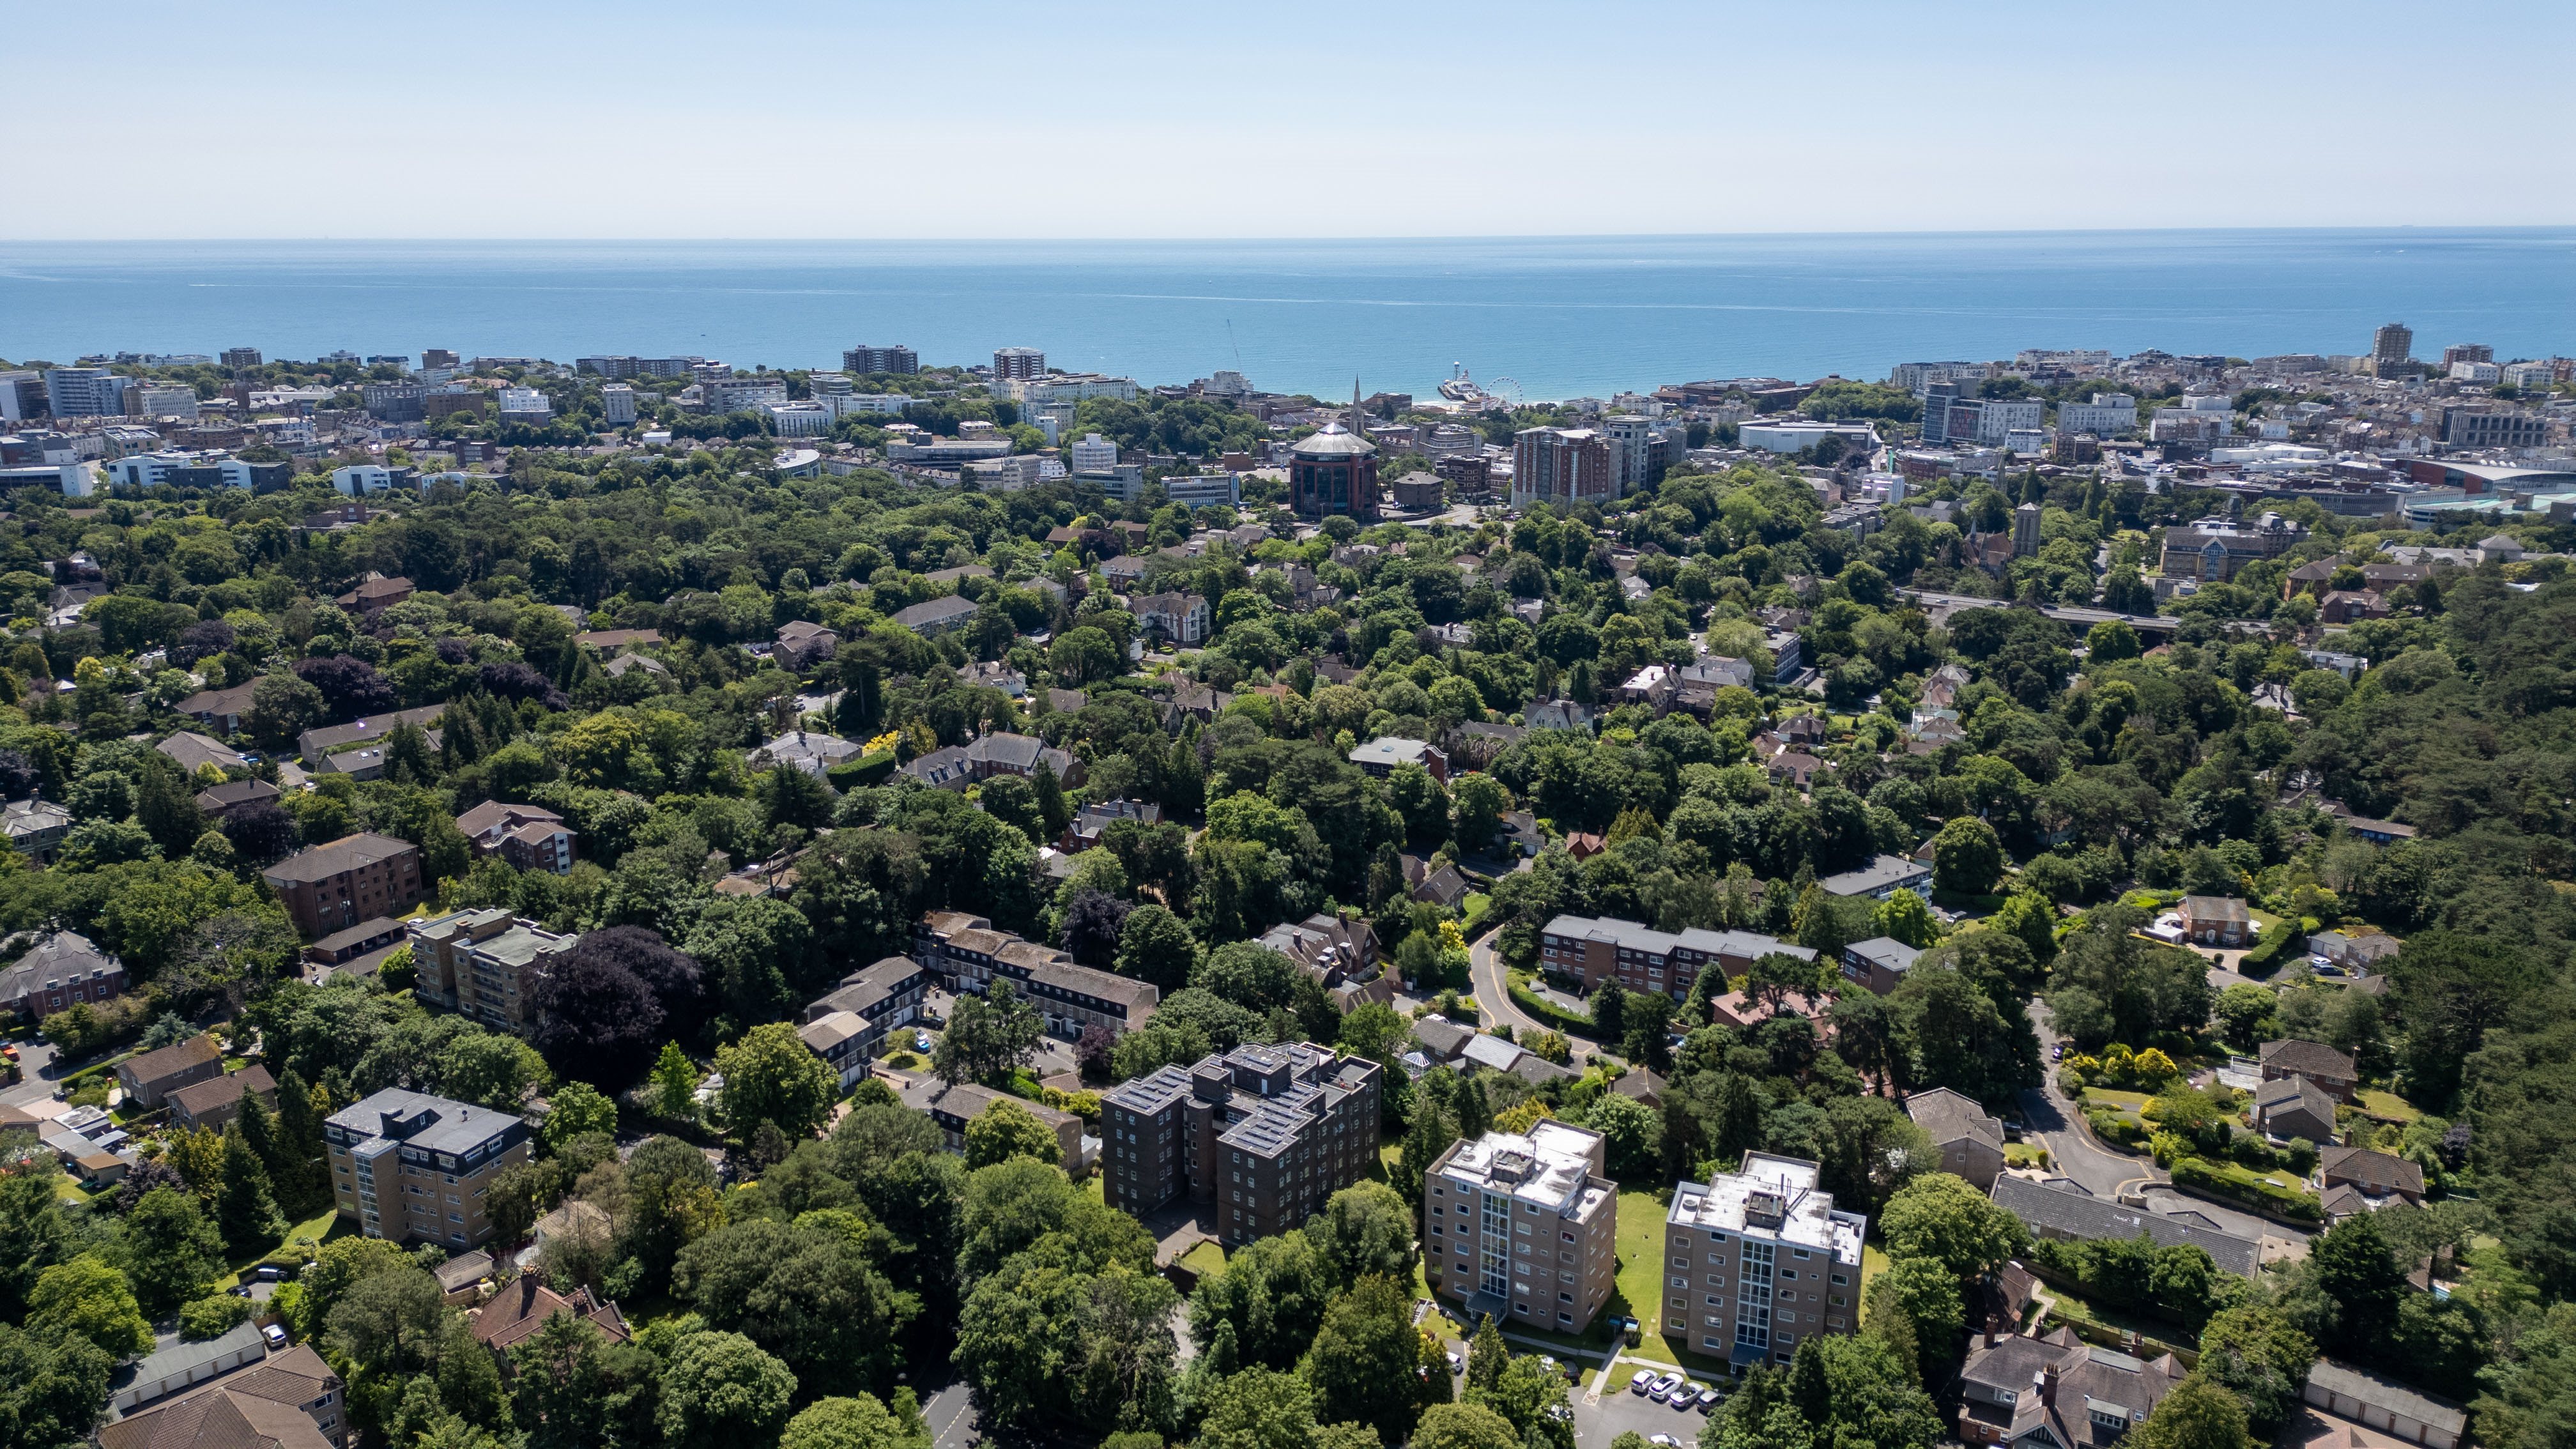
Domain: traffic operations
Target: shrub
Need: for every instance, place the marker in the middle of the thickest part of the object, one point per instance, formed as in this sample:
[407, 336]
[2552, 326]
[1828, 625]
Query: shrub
[212, 1317]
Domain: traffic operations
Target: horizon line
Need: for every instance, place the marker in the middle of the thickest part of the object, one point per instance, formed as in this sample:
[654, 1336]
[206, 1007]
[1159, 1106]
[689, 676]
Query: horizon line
[920, 240]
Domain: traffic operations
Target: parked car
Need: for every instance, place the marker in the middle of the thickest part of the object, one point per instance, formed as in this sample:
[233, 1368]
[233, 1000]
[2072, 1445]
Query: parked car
[1666, 1385]
[921, 1041]
[275, 1335]
[2057, 1053]
[1642, 1382]
[1710, 1399]
[1663, 1441]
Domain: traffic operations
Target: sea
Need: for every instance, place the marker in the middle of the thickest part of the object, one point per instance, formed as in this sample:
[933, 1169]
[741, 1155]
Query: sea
[1544, 317]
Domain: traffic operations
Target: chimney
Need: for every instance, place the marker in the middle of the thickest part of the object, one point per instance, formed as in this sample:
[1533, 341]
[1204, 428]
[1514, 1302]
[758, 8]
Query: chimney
[2048, 1384]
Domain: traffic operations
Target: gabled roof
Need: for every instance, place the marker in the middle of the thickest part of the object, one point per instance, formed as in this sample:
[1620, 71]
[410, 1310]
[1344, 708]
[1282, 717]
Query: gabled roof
[199, 1098]
[2376, 1173]
[523, 1306]
[1949, 1116]
[2064, 1208]
[196, 1051]
[2310, 1059]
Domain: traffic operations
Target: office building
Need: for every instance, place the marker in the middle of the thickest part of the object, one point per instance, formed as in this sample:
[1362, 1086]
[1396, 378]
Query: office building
[2529, 376]
[617, 403]
[2392, 349]
[748, 393]
[1591, 950]
[1797, 435]
[1562, 466]
[22, 397]
[1524, 1227]
[1266, 1133]
[85, 392]
[1914, 377]
[1949, 417]
[2459, 352]
[1092, 454]
[212, 468]
[1036, 394]
[2108, 413]
[168, 400]
[1010, 362]
[355, 878]
[395, 402]
[798, 419]
[484, 964]
[411, 1167]
[1757, 1260]
[238, 357]
[967, 954]
[2479, 428]
[864, 359]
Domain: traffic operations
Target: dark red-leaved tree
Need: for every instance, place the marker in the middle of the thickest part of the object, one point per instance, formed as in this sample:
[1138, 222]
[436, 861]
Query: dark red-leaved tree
[350, 686]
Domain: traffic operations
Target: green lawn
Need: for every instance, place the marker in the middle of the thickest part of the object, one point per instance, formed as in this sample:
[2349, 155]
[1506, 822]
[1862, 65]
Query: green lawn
[1207, 1259]
[312, 1232]
[2386, 1105]
[1475, 906]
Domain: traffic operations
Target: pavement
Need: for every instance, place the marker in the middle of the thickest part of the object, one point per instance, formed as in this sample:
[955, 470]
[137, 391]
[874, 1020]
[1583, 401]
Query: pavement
[950, 1414]
[36, 1059]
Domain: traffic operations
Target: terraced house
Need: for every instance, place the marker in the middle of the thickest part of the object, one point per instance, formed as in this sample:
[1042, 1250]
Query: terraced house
[1640, 958]
[967, 954]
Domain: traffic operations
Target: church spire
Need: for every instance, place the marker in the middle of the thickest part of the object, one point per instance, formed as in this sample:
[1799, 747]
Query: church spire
[1358, 429]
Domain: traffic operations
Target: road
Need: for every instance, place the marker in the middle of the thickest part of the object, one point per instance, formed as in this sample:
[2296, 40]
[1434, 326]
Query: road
[36, 1059]
[1494, 995]
[950, 1414]
[2058, 1126]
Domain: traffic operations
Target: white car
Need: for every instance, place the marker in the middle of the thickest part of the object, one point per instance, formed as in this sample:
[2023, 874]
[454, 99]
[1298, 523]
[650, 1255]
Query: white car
[275, 1335]
[1664, 1441]
[1666, 1385]
[1642, 1382]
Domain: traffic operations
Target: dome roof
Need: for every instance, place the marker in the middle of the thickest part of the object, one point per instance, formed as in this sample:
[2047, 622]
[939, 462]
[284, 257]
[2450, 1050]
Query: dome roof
[1333, 442]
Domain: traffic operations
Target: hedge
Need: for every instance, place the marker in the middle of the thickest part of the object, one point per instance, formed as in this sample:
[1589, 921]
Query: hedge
[1563, 1022]
[866, 770]
[2238, 1185]
[2268, 952]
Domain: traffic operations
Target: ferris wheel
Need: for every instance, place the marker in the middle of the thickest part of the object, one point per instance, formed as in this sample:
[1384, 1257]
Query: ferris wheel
[1506, 389]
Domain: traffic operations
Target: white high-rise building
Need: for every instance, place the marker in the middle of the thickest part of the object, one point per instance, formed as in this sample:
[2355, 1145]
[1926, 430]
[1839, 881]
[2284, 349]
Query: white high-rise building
[2107, 413]
[617, 402]
[1632, 448]
[1091, 453]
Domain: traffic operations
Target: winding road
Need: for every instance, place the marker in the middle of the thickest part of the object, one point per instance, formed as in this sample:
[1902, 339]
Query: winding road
[1492, 982]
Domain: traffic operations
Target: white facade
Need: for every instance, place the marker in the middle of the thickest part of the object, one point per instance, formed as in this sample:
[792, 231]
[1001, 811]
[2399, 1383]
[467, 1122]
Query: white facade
[169, 400]
[1797, 436]
[1632, 448]
[1068, 387]
[617, 403]
[1205, 490]
[2107, 413]
[1091, 453]
[844, 404]
[144, 470]
[1999, 418]
[2529, 374]
[525, 402]
[2478, 372]
[799, 419]
[359, 479]
[2026, 441]
[744, 394]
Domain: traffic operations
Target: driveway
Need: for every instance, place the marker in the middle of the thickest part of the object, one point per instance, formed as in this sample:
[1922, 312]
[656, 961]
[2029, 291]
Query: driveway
[1493, 994]
[36, 1059]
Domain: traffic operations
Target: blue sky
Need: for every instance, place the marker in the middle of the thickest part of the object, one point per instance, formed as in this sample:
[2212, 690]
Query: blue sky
[798, 119]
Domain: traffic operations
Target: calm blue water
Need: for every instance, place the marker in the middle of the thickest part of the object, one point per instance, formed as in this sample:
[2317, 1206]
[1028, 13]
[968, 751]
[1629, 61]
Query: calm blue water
[1561, 317]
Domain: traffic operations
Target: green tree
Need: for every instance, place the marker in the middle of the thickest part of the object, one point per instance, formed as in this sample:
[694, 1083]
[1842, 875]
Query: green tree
[1361, 1365]
[577, 1108]
[675, 1082]
[1365, 1230]
[861, 1421]
[2354, 1269]
[88, 1297]
[2257, 1352]
[2197, 1414]
[1464, 1426]
[1927, 1293]
[1903, 916]
[772, 1076]
[719, 1390]
[212, 1317]
[1004, 1130]
[1940, 1217]
[53, 1390]
[987, 1036]
[169, 1250]
[35, 1232]
[245, 1208]
[1487, 1357]
[1156, 946]
[1263, 1310]
[1967, 857]
[804, 1291]
[1258, 1408]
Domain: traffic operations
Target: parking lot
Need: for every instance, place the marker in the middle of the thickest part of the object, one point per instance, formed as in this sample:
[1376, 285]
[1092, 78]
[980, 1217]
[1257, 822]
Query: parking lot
[1621, 1412]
